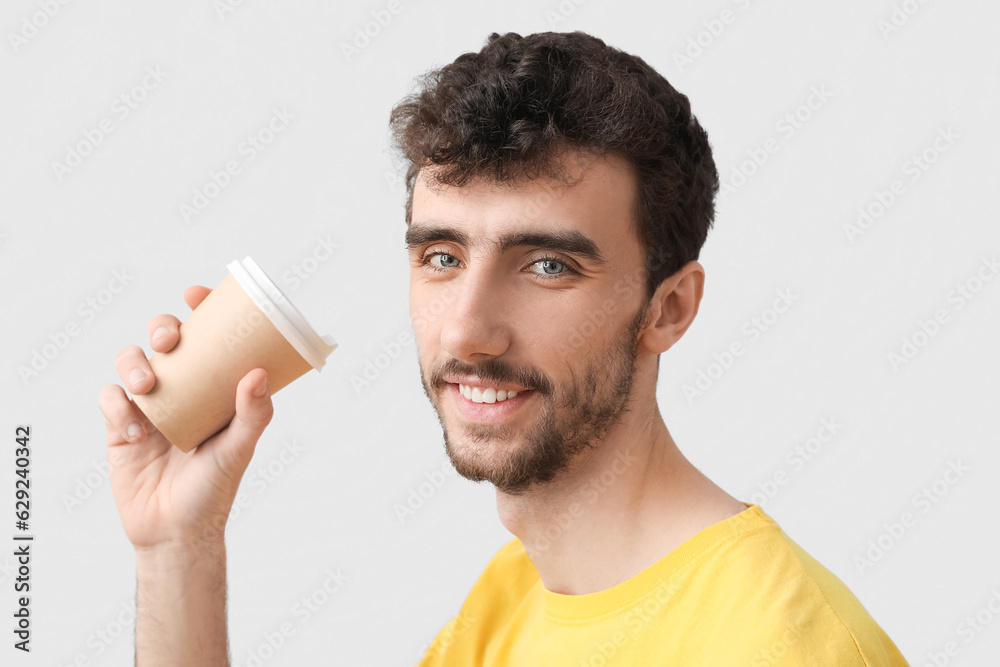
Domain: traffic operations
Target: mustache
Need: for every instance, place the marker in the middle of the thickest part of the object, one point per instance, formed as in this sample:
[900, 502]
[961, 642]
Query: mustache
[493, 370]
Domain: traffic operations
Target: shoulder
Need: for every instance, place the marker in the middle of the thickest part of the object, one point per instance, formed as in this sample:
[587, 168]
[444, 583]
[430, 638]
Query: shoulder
[801, 608]
[495, 596]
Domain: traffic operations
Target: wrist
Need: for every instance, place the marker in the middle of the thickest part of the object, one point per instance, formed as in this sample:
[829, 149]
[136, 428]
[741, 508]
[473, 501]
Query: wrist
[181, 555]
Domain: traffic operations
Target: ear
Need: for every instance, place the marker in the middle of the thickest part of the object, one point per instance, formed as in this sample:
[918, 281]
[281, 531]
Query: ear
[673, 308]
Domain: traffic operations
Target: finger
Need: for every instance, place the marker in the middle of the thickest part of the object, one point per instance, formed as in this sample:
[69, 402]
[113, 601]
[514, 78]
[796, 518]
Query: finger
[195, 294]
[234, 449]
[134, 369]
[125, 422]
[163, 332]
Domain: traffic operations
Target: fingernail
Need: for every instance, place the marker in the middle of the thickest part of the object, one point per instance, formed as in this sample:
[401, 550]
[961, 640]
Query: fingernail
[136, 376]
[133, 431]
[261, 389]
[161, 332]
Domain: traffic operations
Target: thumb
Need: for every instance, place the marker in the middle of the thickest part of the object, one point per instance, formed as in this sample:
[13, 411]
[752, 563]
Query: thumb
[253, 413]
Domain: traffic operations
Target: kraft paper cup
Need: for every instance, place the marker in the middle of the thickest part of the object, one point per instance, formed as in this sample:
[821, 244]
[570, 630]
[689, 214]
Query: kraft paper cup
[244, 323]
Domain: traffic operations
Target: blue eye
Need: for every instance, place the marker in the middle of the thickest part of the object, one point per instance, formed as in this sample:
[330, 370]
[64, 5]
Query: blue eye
[441, 254]
[550, 261]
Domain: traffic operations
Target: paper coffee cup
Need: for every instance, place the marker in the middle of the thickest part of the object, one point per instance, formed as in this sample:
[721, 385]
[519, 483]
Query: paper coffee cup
[244, 323]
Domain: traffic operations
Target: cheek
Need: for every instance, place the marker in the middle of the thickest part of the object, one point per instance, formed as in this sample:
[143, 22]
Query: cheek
[429, 305]
[425, 314]
[582, 327]
[420, 295]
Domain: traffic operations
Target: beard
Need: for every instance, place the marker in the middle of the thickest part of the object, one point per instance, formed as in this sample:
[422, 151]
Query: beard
[572, 418]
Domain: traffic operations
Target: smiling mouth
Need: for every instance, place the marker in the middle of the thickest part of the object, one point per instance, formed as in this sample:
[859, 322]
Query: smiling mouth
[479, 409]
[488, 396]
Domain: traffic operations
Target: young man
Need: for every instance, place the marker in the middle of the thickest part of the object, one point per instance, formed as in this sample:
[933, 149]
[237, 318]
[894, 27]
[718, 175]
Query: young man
[559, 193]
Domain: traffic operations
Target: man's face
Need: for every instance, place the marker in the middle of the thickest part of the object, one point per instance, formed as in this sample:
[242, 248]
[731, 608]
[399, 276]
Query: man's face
[537, 289]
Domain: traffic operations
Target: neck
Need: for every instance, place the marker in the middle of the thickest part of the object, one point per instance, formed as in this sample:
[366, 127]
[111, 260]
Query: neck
[618, 509]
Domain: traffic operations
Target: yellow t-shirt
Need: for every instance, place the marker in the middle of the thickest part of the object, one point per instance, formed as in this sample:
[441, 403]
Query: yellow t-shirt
[739, 592]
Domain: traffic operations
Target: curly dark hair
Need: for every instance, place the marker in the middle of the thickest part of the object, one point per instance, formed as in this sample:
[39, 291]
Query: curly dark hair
[506, 113]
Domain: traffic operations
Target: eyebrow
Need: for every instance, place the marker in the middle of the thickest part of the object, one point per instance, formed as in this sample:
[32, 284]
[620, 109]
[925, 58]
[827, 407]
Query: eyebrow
[571, 242]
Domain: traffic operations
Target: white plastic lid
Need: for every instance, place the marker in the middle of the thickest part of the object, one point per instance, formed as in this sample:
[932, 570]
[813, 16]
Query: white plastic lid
[285, 317]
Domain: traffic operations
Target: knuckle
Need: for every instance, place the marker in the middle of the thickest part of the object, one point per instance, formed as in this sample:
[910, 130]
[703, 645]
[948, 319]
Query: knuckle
[128, 350]
[163, 319]
[258, 420]
[106, 395]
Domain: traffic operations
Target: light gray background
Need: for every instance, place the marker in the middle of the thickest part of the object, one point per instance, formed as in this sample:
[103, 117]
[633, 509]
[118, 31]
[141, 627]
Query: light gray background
[330, 176]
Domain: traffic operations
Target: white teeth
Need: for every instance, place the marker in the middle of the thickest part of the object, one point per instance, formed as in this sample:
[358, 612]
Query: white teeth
[488, 395]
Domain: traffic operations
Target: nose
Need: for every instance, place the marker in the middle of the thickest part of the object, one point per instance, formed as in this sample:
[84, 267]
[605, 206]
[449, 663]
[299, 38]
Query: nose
[476, 325]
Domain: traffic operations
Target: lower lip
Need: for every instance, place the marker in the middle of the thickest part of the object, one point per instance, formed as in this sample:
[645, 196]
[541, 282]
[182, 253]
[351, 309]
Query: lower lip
[489, 412]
